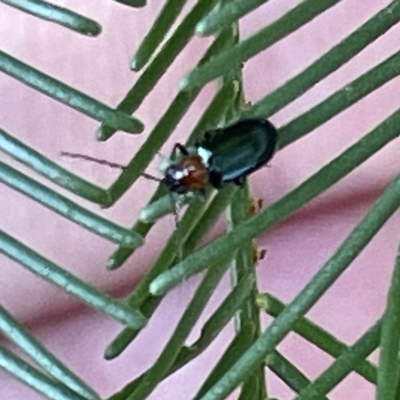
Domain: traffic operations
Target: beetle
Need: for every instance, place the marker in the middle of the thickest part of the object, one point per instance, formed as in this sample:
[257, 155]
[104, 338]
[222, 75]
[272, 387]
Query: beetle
[222, 156]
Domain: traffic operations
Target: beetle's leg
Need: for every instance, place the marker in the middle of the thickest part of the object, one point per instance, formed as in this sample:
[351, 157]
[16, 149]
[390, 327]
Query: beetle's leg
[207, 135]
[183, 150]
[201, 195]
[215, 179]
[240, 181]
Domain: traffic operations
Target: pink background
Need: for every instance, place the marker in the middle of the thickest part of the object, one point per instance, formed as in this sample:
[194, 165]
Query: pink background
[296, 249]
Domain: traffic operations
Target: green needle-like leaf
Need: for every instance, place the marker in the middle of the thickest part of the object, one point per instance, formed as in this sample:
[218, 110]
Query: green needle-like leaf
[218, 204]
[234, 351]
[11, 328]
[158, 31]
[381, 211]
[389, 368]
[128, 335]
[233, 58]
[67, 95]
[226, 14]
[331, 61]
[216, 322]
[345, 364]
[52, 273]
[317, 336]
[160, 64]
[34, 378]
[291, 375]
[210, 331]
[44, 166]
[208, 219]
[340, 100]
[68, 208]
[184, 327]
[140, 296]
[58, 15]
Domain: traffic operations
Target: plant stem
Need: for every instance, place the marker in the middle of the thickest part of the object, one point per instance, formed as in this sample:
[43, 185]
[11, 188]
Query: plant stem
[389, 368]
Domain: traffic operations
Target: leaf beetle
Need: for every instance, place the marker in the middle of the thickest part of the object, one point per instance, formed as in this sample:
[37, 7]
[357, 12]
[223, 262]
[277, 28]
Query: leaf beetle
[223, 155]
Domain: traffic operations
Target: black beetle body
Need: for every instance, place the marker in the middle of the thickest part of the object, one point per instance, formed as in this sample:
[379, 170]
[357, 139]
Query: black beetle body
[238, 150]
[223, 155]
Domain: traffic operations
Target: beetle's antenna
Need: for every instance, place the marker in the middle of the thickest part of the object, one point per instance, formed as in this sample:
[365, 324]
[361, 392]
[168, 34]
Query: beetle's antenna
[105, 162]
[92, 159]
[151, 177]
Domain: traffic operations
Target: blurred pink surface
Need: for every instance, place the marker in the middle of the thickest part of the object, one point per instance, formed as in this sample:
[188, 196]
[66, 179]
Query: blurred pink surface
[296, 249]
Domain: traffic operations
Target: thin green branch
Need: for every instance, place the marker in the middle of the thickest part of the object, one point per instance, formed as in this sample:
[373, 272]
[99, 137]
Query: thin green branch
[382, 210]
[34, 378]
[58, 15]
[344, 365]
[52, 273]
[277, 212]
[157, 33]
[316, 335]
[45, 167]
[389, 368]
[11, 328]
[225, 15]
[248, 317]
[171, 350]
[156, 69]
[243, 265]
[67, 95]
[234, 57]
[67, 208]
[286, 371]
[331, 61]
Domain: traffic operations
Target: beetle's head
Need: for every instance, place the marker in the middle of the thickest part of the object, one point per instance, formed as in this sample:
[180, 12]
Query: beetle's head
[174, 178]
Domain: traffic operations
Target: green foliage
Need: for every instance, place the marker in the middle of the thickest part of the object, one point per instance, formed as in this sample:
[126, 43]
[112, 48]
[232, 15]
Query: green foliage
[251, 351]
